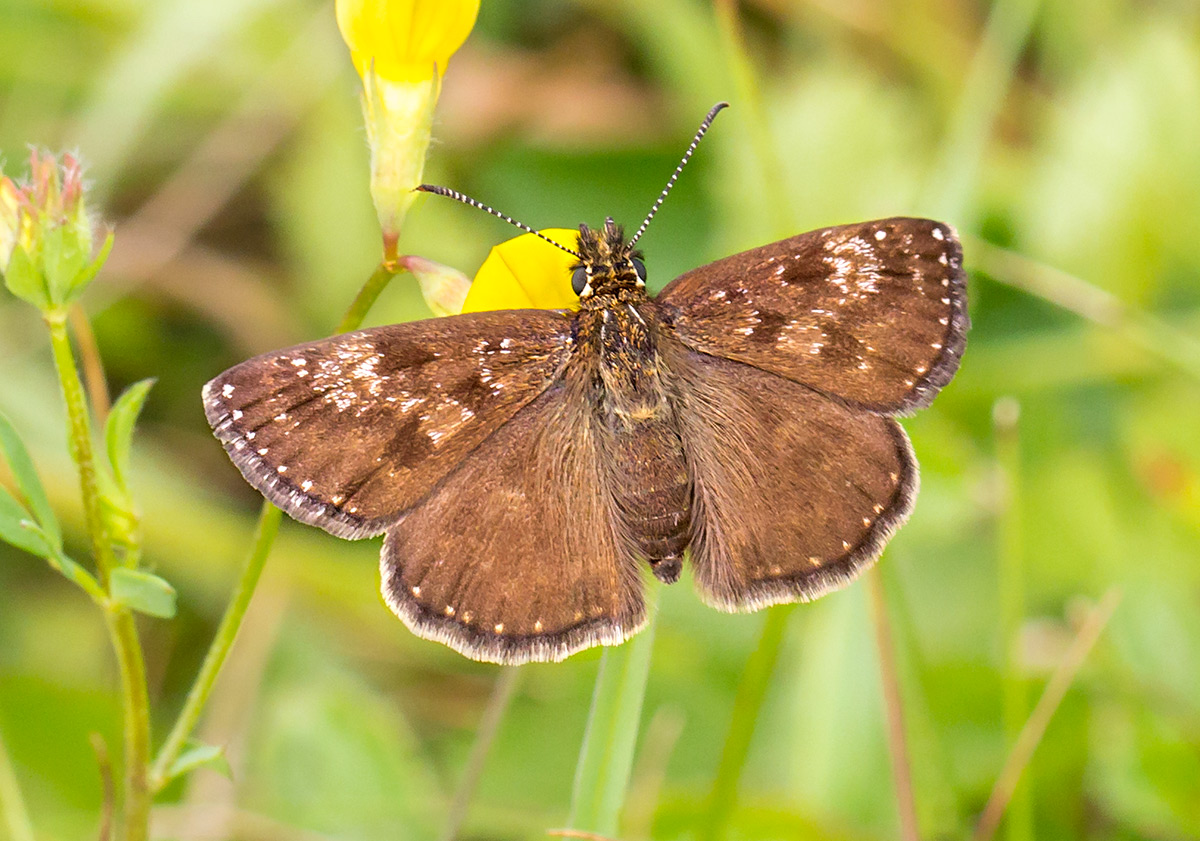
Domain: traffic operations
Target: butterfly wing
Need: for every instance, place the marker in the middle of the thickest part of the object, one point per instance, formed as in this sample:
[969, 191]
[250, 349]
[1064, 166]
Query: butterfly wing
[349, 432]
[518, 554]
[794, 492]
[873, 313]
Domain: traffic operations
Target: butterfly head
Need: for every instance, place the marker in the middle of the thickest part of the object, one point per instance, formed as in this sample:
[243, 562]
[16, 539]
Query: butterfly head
[607, 262]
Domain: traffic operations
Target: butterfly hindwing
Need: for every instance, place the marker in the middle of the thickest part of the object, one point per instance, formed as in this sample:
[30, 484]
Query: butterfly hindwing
[794, 492]
[873, 313]
[518, 555]
[347, 433]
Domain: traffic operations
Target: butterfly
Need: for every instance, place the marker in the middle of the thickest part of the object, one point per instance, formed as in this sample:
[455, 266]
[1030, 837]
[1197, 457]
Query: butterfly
[527, 466]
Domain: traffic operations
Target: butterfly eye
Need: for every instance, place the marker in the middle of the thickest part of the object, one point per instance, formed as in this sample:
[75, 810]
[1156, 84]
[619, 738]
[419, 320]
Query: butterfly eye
[579, 281]
[640, 268]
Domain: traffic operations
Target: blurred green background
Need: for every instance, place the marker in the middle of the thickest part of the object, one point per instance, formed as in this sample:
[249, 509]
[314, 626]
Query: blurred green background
[224, 142]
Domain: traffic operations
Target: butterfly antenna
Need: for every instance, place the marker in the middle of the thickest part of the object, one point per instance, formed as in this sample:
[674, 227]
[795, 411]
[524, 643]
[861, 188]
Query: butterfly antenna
[457, 196]
[712, 115]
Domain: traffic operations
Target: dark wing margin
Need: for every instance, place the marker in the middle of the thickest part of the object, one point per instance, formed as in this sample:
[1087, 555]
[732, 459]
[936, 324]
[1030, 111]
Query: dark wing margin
[518, 555]
[795, 493]
[349, 432]
[874, 314]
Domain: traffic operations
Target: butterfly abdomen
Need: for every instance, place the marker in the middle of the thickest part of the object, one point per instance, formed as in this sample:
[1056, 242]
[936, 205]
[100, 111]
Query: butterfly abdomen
[642, 448]
[653, 492]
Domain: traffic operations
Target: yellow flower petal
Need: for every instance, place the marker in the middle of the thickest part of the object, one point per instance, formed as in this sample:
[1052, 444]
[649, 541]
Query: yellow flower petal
[526, 272]
[405, 39]
[10, 219]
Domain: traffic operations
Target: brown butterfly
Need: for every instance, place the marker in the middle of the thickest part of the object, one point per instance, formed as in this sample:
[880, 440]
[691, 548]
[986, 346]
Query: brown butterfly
[525, 465]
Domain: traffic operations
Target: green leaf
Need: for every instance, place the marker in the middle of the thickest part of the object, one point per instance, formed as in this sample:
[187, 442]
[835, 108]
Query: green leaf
[24, 279]
[14, 527]
[143, 592]
[18, 529]
[87, 274]
[118, 430]
[30, 485]
[64, 258]
[197, 754]
[79, 576]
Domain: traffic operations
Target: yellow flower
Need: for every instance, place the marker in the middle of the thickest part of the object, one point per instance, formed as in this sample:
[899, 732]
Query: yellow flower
[526, 272]
[401, 49]
[404, 41]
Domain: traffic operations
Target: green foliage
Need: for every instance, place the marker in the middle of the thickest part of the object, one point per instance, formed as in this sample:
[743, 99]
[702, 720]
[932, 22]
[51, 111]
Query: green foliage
[606, 755]
[120, 511]
[199, 755]
[336, 720]
[17, 459]
[142, 591]
[25, 280]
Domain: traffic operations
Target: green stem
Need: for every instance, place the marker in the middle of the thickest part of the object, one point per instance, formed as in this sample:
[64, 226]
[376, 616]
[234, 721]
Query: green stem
[12, 804]
[889, 679]
[485, 735]
[138, 796]
[988, 79]
[1035, 728]
[606, 756]
[1005, 416]
[264, 536]
[121, 624]
[89, 356]
[1161, 338]
[752, 690]
[80, 439]
[269, 519]
[367, 295]
[770, 165]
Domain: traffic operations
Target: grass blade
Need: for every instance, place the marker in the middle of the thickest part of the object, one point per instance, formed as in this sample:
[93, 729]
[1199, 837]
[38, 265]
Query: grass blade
[1039, 719]
[606, 756]
[12, 804]
[746, 706]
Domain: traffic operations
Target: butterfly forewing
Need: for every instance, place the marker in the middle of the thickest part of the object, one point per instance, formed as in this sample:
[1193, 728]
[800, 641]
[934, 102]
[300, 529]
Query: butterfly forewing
[794, 492]
[873, 313]
[348, 433]
[518, 554]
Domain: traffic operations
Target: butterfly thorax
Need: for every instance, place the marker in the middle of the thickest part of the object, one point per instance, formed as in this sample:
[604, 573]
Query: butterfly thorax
[617, 335]
[616, 327]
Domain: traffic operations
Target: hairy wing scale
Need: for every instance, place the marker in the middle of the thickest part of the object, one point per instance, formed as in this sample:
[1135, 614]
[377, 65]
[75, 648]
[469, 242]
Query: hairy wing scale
[774, 420]
[349, 432]
[873, 313]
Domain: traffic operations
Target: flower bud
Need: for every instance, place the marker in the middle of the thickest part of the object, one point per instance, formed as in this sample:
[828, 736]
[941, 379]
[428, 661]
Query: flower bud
[46, 239]
[401, 48]
[444, 288]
